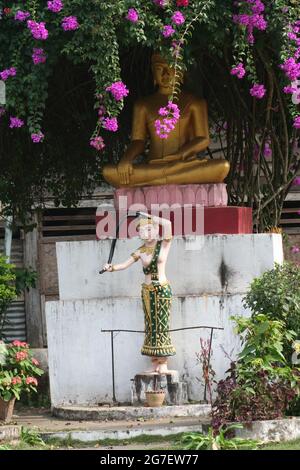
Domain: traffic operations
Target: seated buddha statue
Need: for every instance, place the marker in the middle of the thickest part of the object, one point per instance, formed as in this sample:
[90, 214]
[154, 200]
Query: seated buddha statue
[173, 160]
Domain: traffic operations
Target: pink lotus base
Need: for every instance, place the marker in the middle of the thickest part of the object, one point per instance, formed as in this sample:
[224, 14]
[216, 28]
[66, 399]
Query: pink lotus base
[208, 195]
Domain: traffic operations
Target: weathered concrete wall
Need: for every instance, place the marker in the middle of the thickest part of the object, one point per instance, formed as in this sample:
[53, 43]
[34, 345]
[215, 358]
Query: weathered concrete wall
[202, 265]
[209, 277]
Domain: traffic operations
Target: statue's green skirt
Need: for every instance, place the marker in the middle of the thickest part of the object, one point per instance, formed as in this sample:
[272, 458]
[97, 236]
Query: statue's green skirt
[157, 299]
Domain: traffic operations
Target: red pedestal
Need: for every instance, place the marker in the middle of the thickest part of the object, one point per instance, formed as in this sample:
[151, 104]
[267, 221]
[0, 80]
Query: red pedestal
[186, 221]
[230, 219]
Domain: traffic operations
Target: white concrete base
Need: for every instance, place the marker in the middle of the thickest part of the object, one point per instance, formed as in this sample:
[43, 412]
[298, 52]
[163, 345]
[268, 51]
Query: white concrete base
[276, 430]
[80, 354]
[209, 276]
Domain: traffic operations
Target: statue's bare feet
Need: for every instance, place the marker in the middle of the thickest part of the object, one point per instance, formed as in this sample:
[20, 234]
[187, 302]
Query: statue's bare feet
[153, 369]
[162, 369]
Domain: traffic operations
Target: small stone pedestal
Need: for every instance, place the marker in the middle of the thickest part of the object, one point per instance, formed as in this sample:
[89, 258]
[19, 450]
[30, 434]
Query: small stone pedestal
[176, 391]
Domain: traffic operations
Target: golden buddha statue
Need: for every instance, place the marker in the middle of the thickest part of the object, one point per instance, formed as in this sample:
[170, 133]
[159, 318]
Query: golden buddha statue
[173, 160]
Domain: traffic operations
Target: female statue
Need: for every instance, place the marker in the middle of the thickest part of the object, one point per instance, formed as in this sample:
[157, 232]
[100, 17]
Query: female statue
[156, 290]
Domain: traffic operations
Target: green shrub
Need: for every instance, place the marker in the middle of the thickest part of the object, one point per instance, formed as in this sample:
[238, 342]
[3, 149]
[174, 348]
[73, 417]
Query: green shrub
[276, 294]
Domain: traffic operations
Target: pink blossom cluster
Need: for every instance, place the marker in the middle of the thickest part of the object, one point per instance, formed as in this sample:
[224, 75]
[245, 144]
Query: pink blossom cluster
[296, 181]
[168, 31]
[38, 30]
[178, 18]
[254, 20]
[291, 68]
[35, 362]
[267, 150]
[70, 23]
[110, 124]
[38, 56]
[182, 3]
[20, 344]
[295, 249]
[238, 70]
[31, 381]
[55, 6]
[37, 137]
[97, 143]
[16, 122]
[296, 123]
[22, 15]
[5, 74]
[16, 380]
[118, 90]
[21, 356]
[170, 115]
[258, 91]
[132, 15]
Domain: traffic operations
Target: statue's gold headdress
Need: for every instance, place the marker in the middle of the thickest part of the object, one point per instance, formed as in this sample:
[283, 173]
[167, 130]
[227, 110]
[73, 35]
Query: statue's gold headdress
[158, 59]
[145, 221]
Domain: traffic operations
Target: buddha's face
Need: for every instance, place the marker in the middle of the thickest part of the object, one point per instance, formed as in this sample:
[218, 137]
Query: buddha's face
[149, 232]
[163, 74]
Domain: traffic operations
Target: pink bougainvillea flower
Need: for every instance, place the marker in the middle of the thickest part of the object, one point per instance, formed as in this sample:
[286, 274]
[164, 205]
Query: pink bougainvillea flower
[118, 90]
[5, 74]
[296, 181]
[38, 30]
[132, 15]
[37, 137]
[258, 91]
[291, 68]
[38, 56]
[267, 151]
[170, 115]
[35, 362]
[110, 124]
[168, 31]
[55, 6]
[178, 18]
[97, 143]
[70, 23]
[182, 3]
[16, 122]
[289, 89]
[238, 70]
[22, 15]
[296, 122]
[295, 249]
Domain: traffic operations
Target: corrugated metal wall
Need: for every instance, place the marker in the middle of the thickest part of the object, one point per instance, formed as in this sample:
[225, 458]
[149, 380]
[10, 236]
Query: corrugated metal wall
[15, 327]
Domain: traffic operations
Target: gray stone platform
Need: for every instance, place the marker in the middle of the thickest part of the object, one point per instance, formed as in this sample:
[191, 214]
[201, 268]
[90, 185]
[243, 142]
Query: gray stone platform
[126, 413]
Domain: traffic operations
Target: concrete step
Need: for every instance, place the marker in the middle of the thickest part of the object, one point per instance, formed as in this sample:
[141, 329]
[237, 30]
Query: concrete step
[121, 430]
[111, 413]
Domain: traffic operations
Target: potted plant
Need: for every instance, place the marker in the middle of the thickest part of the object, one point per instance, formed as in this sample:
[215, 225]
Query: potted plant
[155, 397]
[18, 372]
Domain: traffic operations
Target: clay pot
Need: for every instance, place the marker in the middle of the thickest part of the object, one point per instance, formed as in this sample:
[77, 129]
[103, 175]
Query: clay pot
[6, 410]
[155, 398]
